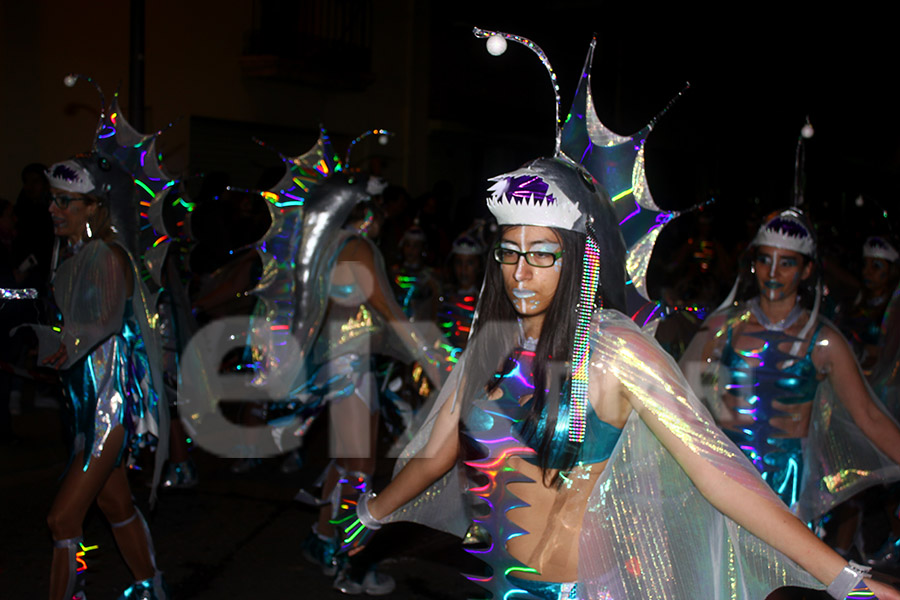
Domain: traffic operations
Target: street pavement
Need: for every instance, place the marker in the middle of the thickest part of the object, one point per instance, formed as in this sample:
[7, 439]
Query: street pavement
[230, 537]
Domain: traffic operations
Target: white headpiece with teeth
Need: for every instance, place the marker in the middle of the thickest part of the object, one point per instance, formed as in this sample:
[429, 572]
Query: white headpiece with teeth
[555, 209]
[70, 176]
[788, 230]
[878, 247]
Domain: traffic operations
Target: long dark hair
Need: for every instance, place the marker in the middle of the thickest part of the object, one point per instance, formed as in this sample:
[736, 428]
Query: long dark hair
[496, 335]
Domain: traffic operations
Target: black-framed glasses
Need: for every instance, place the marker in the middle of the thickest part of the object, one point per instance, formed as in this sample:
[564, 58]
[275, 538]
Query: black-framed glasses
[541, 260]
[63, 200]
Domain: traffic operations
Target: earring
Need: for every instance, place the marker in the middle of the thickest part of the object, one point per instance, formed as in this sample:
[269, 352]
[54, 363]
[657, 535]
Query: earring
[87, 228]
[753, 269]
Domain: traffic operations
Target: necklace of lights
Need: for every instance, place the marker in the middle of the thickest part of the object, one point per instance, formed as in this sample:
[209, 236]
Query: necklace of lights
[781, 325]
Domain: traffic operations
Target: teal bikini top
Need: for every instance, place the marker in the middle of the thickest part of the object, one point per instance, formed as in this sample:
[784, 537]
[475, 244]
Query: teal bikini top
[793, 384]
[600, 437]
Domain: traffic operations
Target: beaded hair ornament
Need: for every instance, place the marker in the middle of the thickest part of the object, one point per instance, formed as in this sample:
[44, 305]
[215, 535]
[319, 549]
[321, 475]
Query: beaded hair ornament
[610, 161]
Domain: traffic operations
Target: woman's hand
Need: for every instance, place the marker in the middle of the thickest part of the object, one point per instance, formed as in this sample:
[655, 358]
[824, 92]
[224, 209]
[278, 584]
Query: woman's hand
[883, 591]
[58, 358]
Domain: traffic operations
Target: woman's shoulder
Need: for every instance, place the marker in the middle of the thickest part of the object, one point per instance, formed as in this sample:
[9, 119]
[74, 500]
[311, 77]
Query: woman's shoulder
[355, 247]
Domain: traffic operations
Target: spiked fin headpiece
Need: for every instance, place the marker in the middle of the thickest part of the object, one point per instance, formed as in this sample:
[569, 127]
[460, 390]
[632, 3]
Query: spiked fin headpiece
[308, 207]
[119, 152]
[591, 166]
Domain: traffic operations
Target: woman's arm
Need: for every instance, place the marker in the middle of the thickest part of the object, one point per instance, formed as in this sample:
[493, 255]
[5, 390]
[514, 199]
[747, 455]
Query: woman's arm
[834, 356]
[430, 463]
[652, 385]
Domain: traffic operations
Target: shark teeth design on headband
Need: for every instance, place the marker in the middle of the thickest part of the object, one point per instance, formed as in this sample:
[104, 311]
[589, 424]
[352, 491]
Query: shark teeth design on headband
[878, 247]
[523, 197]
[68, 175]
[787, 230]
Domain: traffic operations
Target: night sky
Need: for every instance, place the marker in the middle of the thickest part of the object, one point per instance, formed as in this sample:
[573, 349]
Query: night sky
[756, 73]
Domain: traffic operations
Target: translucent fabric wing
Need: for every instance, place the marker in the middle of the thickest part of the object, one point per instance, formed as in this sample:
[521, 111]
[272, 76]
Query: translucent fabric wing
[139, 222]
[648, 531]
[305, 219]
[90, 291]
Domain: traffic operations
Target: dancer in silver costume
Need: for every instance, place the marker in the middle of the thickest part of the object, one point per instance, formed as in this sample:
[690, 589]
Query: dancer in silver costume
[104, 358]
[106, 346]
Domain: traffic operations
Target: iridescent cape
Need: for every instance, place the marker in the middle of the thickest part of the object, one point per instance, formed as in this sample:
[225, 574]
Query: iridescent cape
[647, 532]
[90, 291]
[839, 460]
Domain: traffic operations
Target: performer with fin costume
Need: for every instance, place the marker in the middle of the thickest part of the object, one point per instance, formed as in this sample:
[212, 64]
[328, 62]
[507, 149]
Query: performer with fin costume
[611, 448]
[783, 382]
[107, 348]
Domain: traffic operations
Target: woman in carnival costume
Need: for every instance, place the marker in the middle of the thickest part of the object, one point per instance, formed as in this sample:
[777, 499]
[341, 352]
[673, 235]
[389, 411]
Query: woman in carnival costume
[784, 384]
[862, 322]
[611, 448]
[457, 308]
[107, 352]
[416, 285]
[324, 284]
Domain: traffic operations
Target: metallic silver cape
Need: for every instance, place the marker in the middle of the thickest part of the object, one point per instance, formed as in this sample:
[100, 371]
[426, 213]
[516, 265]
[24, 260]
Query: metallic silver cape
[648, 532]
[308, 208]
[840, 461]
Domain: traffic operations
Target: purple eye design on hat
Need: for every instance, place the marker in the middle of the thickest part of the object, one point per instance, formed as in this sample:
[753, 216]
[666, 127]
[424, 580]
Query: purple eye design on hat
[522, 188]
[64, 172]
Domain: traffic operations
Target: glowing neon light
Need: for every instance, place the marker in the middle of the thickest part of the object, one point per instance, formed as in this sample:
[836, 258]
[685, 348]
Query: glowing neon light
[79, 557]
[497, 441]
[637, 209]
[622, 194]
[160, 240]
[521, 570]
[502, 458]
[486, 551]
[145, 188]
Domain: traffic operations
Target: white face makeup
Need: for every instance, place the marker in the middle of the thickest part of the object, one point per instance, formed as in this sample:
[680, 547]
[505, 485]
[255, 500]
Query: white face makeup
[531, 289]
[779, 272]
